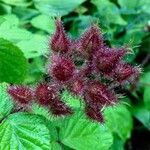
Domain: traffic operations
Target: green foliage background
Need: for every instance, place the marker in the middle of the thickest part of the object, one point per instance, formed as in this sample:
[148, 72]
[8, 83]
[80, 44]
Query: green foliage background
[25, 28]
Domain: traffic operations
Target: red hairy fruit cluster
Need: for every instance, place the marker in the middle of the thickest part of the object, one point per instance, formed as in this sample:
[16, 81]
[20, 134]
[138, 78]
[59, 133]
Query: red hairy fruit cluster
[86, 67]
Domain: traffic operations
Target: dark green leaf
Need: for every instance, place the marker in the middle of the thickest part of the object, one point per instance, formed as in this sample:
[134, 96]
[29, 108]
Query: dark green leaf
[143, 115]
[13, 64]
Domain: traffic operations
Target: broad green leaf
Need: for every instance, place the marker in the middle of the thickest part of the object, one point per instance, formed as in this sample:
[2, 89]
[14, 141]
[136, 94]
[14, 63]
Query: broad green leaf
[13, 64]
[78, 132]
[34, 47]
[17, 2]
[47, 24]
[23, 131]
[119, 121]
[6, 104]
[109, 11]
[143, 115]
[57, 7]
[9, 30]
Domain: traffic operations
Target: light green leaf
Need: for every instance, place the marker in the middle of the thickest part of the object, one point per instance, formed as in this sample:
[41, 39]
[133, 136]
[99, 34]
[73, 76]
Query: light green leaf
[40, 110]
[57, 7]
[34, 47]
[56, 146]
[138, 5]
[119, 121]
[143, 115]
[23, 131]
[6, 104]
[47, 24]
[72, 100]
[17, 2]
[9, 30]
[109, 11]
[80, 133]
[13, 64]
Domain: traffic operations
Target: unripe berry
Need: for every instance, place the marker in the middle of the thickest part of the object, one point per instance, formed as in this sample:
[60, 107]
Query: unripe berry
[107, 59]
[59, 41]
[59, 108]
[90, 41]
[93, 112]
[125, 72]
[77, 87]
[45, 93]
[98, 93]
[21, 94]
[62, 70]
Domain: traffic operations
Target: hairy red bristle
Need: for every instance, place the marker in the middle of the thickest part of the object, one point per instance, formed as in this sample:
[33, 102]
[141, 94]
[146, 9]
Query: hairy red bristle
[106, 59]
[21, 94]
[59, 108]
[62, 70]
[76, 86]
[90, 41]
[98, 93]
[59, 41]
[45, 93]
[93, 112]
[124, 72]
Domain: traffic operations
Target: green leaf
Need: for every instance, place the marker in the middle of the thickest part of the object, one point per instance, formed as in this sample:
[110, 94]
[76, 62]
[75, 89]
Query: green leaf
[9, 30]
[138, 5]
[17, 2]
[71, 100]
[13, 64]
[47, 24]
[23, 131]
[40, 110]
[56, 146]
[147, 97]
[34, 47]
[116, 119]
[5, 9]
[80, 133]
[25, 13]
[143, 115]
[57, 7]
[6, 104]
[109, 12]
[118, 144]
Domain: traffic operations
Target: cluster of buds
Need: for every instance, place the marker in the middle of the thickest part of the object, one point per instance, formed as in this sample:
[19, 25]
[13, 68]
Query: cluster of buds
[86, 67]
